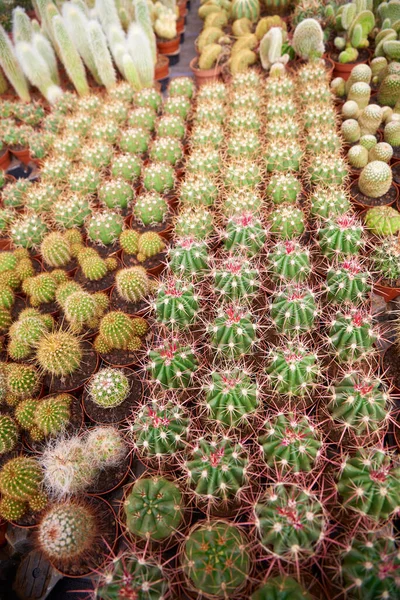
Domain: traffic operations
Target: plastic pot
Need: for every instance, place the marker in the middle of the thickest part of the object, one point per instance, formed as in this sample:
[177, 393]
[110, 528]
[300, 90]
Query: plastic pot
[5, 159]
[23, 155]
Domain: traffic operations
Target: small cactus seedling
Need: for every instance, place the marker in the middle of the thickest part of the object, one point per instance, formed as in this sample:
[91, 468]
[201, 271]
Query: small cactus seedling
[293, 369]
[341, 237]
[281, 588]
[189, 259]
[244, 174]
[154, 508]
[233, 332]
[108, 388]
[182, 86]
[72, 211]
[176, 303]
[158, 177]
[369, 483]
[347, 282]
[116, 193]
[290, 521]
[244, 233]
[293, 310]
[171, 126]
[166, 149]
[289, 262]
[8, 434]
[235, 279]
[135, 140]
[351, 335]
[290, 443]
[172, 364]
[159, 431]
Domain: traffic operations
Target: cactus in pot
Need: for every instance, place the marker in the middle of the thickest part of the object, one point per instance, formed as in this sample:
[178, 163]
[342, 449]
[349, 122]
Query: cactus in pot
[289, 261]
[108, 388]
[342, 236]
[293, 310]
[292, 369]
[133, 284]
[233, 332]
[8, 434]
[351, 335]
[176, 303]
[172, 364]
[245, 233]
[189, 259]
[348, 282]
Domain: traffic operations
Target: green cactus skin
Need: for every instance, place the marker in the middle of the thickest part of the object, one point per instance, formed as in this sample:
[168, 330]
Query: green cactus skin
[215, 559]
[67, 531]
[327, 203]
[242, 175]
[293, 310]
[129, 241]
[181, 86]
[281, 588]
[232, 398]
[94, 267]
[383, 220]
[207, 134]
[283, 156]
[283, 187]
[204, 161]
[12, 509]
[290, 444]
[132, 284]
[171, 126]
[177, 105]
[289, 261]
[341, 237]
[149, 244]
[41, 288]
[375, 179]
[189, 259]
[386, 259]
[172, 364]
[105, 227]
[244, 233]
[154, 508]
[244, 145]
[359, 403]
[241, 201]
[116, 193]
[22, 380]
[59, 353]
[368, 483]
[126, 166]
[55, 250]
[158, 177]
[117, 330]
[347, 282]
[245, 119]
[330, 171]
[53, 414]
[292, 370]
[71, 212]
[287, 222]
[65, 290]
[8, 434]
[195, 191]
[233, 332]
[142, 117]
[216, 470]
[84, 181]
[370, 566]
[25, 413]
[176, 304]
[28, 231]
[150, 209]
[235, 279]
[166, 149]
[351, 335]
[290, 521]
[159, 431]
[134, 140]
[82, 309]
[196, 222]
[13, 196]
[7, 297]
[26, 331]
[130, 576]
[21, 478]
[108, 388]
[106, 445]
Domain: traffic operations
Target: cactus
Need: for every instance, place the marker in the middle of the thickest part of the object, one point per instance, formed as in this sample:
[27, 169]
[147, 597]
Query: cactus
[55, 250]
[82, 309]
[243, 145]
[69, 56]
[176, 304]
[59, 353]
[14, 195]
[236, 279]
[126, 166]
[351, 335]
[189, 259]
[117, 331]
[392, 133]
[21, 479]
[165, 149]
[132, 284]
[287, 222]
[144, 118]
[149, 244]
[154, 508]
[215, 559]
[327, 203]
[159, 430]
[8, 434]
[289, 262]
[28, 231]
[116, 193]
[283, 187]
[97, 155]
[283, 156]
[375, 179]
[293, 369]
[370, 119]
[240, 202]
[134, 140]
[108, 388]
[22, 381]
[182, 86]
[242, 175]
[245, 233]
[26, 331]
[105, 227]
[105, 446]
[12, 68]
[368, 483]
[129, 241]
[53, 414]
[389, 89]
[108, 133]
[158, 177]
[386, 259]
[328, 170]
[204, 161]
[195, 191]
[347, 282]
[208, 134]
[290, 443]
[341, 237]
[233, 332]
[281, 588]
[150, 209]
[172, 364]
[41, 288]
[358, 156]
[293, 310]
[84, 181]
[148, 97]
[351, 131]
[25, 413]
[360, 92]
[308, 39]
[171, 126]
[178, 106]
[290, 521]
[197, 223]
[129, 575]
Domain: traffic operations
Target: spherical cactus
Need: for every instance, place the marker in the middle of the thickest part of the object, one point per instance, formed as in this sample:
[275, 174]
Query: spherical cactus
[369, 119]
[129, 241]
[53, 414]
[94, 267]
[381, 152]
[166, 149]
[82, 309]
[233, 332]
[292, 370]
[375, 179]
[351, 335]
[287, 222]
[244, 145]
[67, 532]
[308, 39]
[244, 174]
[236, 280]
[215, 559]
[41, 288]
[26, 331]
[126, 166]
[290, 443]
[216, 470]
[158, 177]
[65, 290]
[105, 446]
[328, 170]
[293, 310]
[59, 353]
[290, 521]
[134, 140]
[12, 509]
[71, 212]
[341, 237]
[181, 86]
[358, 156]
[150, 209]
[195, 191]
[289, 262]
[105, 227]
[392, 133]
[177, 105]
[368, 483]
[132, 284]
[245, 233]
[108, 388]
[351, 131]
[176, 303]
[171, 126]
[189, 259]
[283, 156]
[8, 434]
[22, 380]
[172, 364]
[386, 259]
[28, 231]
[149, 244]
[383, 220]
[116, 193]
[283, 188]
[347, 282]
[281, 588]
[117, 330]
[154, 508]
[207, 134]
[159, 430]
[327, 203]
[196, 222]
[25, 413]
[21, 478]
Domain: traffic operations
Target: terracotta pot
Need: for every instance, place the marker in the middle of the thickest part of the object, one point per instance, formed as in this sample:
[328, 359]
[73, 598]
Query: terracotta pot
[344, 69]
[386, 292]
[162, 67]
[23, 155]
[203, 76]
[180, 25]
[5, 159]
[182, 9]
[169, 46]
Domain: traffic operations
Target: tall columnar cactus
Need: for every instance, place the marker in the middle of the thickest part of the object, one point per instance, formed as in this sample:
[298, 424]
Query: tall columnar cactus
[341, 237]
[290, 521]
[176, 303]
[132, 284]
[216, 559]
[159, 431]
[69, 55]
[290, 443]
[59, 353]
[233, 332]
[293, 310]
[108, 388]
[293, 369]
[348, 282]
[244, 233]
[289, 261]
[8, 434]
[351, 335]
[235, 279]
[172, 364]
[368, 483]
[154, 508]
[12, 68]
[232, 398]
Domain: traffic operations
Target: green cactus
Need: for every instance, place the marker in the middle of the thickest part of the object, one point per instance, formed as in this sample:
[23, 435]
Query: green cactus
[351, 335]
[308, 39]
[107, 132]
[281, 588]
[293, 369]
[215, 559]
[108, 388]
[347, 282]
[150, 244]
[129, 241]
[150, 209]
[189, 259]
[178, 106]
[293, 310]
[283, 156]
[40, 289]
[25, 413]
[171, 126]
[71, 212]
[196, 191]
[142, 117]
[116, 193]
[243, 145]
[242, 201]
[392, 133]
[245, 233]
[283, 188]
[132, 284]
[327, 203]
[158, 177]
[105, 446]
[84, 180]
[182, 86]
[386, 259]
[126, 166]
[83, 309]
[207, 134]
[104, 227]
[242, 175]
[236, 279]
[53, 414]
[118, 331]
[176, 303]
[341, 237]
[8, 434]
[59, 353]
[287, 221]
[22, 382]
[55, 250]
[368, 483]
[167, 150]
[28, 231]
[233, 332]
[172, 364]
[204, 161]
[289, 262]
[14, 195]
[26, 331]
[148, 97]
[154, 508]
[134, 140]
[197, 223]
[328, 170]
[21, 480]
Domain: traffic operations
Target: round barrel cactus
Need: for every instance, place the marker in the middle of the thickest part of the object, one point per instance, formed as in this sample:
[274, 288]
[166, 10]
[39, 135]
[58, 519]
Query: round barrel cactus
[8, 434]
[172, 364]
[236, 279]
[21, 478]
[283, 187]
[176, 303]
[293, 369]
[59, 353]
[108, 388]
[132, 284]
[244, 233]
[104, 227]
[327, 203]
[22, 381]
[239, 202]
[281, 588]
[289, 261]
[348, 282]
[293, 310]
[53, 414]
[194, 222]
[383, 220]
[341, 237]
[385, 259]
[195, 191]
[351, 335]
[189, 259]
[233, 332]
[150, 209]
[287, 222]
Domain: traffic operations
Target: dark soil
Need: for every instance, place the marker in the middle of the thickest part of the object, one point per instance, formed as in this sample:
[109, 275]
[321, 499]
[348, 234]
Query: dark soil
[68, 267]
[130, 260]
[104, 251]
[77, 379]
[18, 306]
[396, 152]
[363, 55]
[156, 227]
[396, 173]
[49, 308]
[122, 358]
[391, 365]
[120, 412]
[95, 286]
[111, 477]
[30, 519]
[385, 200]
[118, 303]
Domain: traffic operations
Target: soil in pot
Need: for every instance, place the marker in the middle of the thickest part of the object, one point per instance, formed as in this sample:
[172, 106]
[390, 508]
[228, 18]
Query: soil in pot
[18, 306]
[118, 303]
[111, 477]
[68, 268]
[51, 308]
[391, 365]
[122, 411]
[157, 228]
[363, 200]
[161, 70]
[100, 285]
[104, 251]
[150, 264]
[79, 377]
